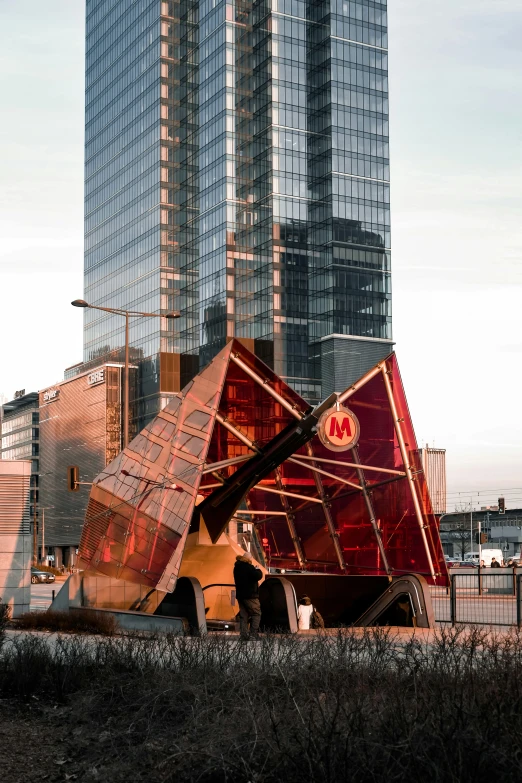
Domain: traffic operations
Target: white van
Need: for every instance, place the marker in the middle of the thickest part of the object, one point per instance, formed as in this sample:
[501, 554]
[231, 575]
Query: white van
[489, 554]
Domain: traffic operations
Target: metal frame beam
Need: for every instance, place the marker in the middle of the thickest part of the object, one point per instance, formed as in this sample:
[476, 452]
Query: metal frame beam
[334, 535]
[266, 385]
[290, 520]
[361, 382]
[288, 494]
[355, 465]
[288, 512]
[210, 467]
[409, 471]
[371, 512]
[239, 435]
[265, 513]
[323, 472]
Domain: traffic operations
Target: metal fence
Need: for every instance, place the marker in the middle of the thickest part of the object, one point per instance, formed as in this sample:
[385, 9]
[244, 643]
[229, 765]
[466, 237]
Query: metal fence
[480, 597]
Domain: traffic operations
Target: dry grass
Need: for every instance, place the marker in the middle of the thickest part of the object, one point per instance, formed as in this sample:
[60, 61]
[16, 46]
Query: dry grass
[355, 707]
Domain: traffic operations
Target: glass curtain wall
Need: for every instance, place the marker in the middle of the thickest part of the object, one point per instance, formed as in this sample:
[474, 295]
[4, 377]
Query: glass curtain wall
[291, 243]
[122, 172]
[350, 283]
[139, 107]
[237, 170]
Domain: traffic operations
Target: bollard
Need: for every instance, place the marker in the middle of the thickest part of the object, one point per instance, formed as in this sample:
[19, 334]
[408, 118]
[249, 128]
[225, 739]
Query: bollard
[519, 596]
[453, 598]
[53, 594]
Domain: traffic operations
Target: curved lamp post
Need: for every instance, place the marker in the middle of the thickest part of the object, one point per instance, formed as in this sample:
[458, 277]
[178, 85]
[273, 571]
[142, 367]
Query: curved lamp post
[127, 314]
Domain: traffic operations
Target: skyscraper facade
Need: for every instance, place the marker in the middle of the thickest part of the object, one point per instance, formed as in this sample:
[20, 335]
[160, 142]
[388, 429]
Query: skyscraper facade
[237, 169]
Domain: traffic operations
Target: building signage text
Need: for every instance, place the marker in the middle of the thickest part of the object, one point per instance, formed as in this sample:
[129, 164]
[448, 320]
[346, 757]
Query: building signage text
[98, 376]
[339, 429]
[51, 394]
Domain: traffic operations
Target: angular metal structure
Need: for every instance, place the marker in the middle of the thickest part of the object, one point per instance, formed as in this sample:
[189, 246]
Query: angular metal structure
[238, 443]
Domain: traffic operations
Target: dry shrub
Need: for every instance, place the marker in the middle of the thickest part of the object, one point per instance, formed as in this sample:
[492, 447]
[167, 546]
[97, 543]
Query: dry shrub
[5, 614]
[73, 621]
[353, 707]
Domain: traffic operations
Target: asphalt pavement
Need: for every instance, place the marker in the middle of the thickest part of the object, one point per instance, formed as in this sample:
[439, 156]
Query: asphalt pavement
[42, 595]
[474, 609]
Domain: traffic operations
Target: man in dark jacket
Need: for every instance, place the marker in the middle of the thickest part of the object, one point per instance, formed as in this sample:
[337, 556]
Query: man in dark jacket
[494, 563]
[246, 578]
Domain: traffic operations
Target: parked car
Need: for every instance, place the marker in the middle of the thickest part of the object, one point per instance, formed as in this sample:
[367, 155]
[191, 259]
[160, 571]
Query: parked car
[38, 576]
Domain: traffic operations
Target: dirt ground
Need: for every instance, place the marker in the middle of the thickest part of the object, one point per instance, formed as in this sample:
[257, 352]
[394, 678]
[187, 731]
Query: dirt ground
[33, 744]
[38, 743]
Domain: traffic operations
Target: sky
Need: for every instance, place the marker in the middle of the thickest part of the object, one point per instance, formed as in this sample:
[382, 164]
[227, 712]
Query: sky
[456, 183]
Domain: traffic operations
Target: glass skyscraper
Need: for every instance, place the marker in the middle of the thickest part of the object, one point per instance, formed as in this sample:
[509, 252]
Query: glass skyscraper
[237, 170]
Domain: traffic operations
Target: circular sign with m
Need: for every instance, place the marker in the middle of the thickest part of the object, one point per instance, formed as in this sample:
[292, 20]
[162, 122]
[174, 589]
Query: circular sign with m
[338, 429]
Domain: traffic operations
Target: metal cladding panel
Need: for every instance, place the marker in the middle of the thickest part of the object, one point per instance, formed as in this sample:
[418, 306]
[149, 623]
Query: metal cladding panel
[141, 505]
[15, 535]
[434, 466]
[80, 425]
[15, 489]
[345, 360]
[312, 509]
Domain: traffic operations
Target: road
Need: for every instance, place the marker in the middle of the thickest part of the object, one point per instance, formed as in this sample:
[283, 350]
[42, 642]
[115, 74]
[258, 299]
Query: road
[472, 608]
[42, 595]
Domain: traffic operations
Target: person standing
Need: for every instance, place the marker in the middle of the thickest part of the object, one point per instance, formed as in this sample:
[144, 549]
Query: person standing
[305, 611]
[246, 580]
[494, 563]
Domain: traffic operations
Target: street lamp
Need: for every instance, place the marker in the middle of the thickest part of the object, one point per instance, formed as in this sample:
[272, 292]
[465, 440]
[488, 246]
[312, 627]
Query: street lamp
[127, 314]
[43, 509]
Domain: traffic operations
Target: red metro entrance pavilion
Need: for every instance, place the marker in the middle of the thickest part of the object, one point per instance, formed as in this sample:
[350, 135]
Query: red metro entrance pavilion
[333, 498]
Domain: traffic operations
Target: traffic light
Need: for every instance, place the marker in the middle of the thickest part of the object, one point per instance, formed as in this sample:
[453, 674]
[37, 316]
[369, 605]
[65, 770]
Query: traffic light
[73, 478]
[501, 505]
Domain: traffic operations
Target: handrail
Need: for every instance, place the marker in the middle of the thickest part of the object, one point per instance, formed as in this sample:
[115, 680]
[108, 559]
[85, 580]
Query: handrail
[224, 584]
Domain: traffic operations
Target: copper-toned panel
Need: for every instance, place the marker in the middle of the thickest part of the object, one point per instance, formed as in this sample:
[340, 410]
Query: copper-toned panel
[141, 505]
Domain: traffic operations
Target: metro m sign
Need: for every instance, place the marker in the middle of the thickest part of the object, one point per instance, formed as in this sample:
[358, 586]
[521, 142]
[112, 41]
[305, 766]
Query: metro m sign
[338, 429]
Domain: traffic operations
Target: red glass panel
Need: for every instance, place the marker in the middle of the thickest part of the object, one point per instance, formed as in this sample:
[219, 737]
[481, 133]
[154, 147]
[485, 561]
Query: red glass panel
[137, 519]
[390, 494]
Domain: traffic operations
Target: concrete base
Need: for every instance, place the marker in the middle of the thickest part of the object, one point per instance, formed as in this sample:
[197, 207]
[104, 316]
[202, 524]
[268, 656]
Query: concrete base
[90, 591]
[139, 621]
[15, 572]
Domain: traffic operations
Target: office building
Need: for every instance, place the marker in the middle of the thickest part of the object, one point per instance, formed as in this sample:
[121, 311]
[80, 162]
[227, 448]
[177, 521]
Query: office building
[237, 170]
[20, 437]
[499, 531]
[80, 424]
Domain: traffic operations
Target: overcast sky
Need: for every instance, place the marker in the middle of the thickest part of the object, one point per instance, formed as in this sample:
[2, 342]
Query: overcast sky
[456, 163]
